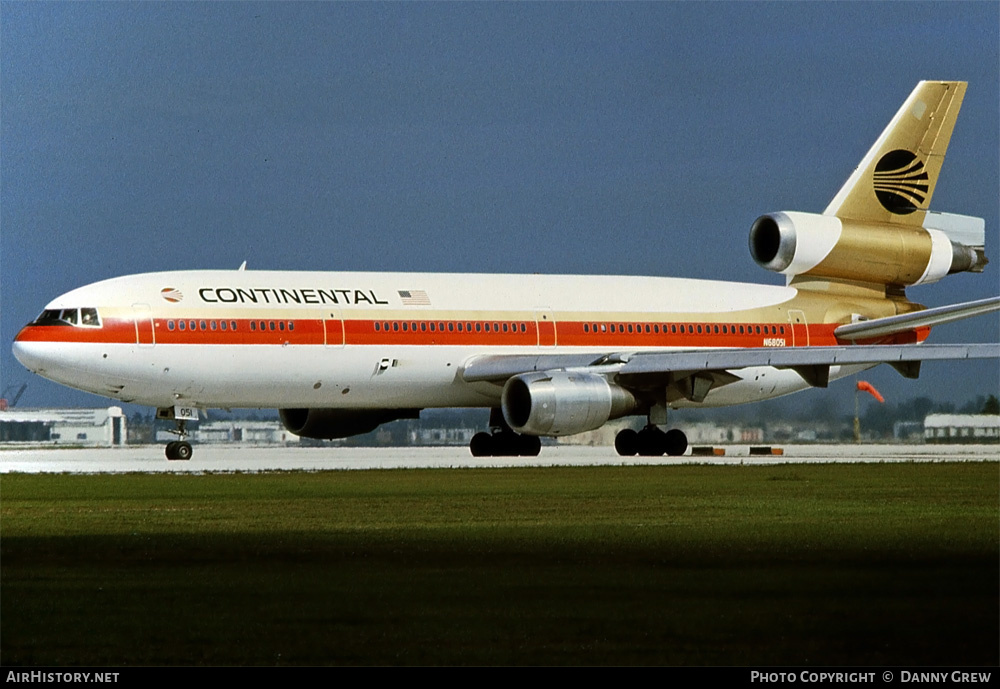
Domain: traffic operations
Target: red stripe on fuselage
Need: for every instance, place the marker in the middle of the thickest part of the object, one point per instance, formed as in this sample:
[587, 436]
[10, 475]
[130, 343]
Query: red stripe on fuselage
[423, 332]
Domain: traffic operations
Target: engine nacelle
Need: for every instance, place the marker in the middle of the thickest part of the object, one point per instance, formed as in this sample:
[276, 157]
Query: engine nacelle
[827, 246]
[562, 403]
[328, 424]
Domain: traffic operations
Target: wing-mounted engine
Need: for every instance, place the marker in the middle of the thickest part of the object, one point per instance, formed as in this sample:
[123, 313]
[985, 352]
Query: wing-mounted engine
[328, 424]
[555, 403]
[826, 246]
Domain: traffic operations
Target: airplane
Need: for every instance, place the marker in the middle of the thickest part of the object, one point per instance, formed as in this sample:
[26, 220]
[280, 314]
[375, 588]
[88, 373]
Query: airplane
[339, 353]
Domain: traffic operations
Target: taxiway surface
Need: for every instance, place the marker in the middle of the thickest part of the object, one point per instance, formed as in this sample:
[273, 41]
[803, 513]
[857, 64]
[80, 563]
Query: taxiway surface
[212, 458]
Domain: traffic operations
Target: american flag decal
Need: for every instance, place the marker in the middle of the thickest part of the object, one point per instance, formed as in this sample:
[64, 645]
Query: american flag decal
[414, 297]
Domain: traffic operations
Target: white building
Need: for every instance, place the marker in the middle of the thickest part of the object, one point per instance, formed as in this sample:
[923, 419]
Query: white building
[237, 431]
[962, 428]
[442, 436]
[87, 427]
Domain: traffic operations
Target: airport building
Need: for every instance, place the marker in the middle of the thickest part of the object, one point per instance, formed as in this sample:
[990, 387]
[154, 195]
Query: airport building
[962, 428]
[442, 436]
[237, 431]
[82, 427]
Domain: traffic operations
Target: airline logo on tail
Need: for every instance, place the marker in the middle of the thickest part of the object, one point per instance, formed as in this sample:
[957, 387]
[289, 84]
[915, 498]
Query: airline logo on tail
[900, 182]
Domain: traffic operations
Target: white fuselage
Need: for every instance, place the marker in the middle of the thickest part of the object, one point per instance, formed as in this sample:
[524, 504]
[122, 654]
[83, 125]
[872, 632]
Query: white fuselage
[384, 341]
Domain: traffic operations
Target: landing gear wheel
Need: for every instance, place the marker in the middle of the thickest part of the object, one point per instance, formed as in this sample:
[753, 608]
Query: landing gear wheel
[651, 442]
[530, 446]
[179, 450]
[627, 442]
[505, 444]
[676, 442]
[481, 445]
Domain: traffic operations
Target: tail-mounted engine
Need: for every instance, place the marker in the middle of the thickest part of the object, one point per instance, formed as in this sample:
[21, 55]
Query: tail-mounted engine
[794, 243]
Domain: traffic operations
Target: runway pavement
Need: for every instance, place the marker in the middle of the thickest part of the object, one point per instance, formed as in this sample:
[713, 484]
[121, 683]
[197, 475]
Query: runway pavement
[225, 458]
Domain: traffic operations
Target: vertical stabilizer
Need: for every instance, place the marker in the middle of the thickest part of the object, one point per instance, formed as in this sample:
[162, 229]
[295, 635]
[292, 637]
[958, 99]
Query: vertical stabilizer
[896, 179]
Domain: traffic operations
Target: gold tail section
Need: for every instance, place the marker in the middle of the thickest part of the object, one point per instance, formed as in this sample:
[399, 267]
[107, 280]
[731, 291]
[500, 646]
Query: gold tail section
[895, 181]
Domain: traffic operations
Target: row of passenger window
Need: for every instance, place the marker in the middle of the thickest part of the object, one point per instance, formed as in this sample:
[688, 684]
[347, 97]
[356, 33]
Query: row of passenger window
[683, 328]
[450, 326]
[497, 327]
[201, 325]
[230, 325]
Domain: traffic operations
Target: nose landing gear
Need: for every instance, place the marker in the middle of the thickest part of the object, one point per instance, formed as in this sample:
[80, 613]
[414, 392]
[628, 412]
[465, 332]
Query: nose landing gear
[181, 448]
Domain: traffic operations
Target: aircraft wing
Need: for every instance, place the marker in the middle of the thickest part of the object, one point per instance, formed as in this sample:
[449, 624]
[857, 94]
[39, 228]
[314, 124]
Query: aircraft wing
[649, 368]
[918, 319]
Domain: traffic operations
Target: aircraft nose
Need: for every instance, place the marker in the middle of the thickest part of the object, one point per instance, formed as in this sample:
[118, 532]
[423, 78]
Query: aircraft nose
[32, 353]
[28, 352]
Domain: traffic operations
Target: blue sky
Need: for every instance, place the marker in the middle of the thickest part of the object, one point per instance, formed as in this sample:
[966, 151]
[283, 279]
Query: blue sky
[612, 138]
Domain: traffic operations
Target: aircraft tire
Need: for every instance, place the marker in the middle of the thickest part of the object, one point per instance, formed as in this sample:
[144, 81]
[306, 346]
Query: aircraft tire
[529, 445]
[651, 442]
[183, 451]
[481, 445]
[627, 443]
[676, 442]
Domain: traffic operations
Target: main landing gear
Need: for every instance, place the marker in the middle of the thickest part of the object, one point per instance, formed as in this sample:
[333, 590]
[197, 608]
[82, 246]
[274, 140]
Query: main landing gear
[501, 441]
[650, 442]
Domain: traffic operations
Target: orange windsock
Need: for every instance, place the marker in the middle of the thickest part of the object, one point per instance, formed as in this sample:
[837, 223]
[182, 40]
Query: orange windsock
[869, 388]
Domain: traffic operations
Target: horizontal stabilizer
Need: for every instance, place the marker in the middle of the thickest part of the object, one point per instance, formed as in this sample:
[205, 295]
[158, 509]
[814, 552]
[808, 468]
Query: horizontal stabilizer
[879, 327]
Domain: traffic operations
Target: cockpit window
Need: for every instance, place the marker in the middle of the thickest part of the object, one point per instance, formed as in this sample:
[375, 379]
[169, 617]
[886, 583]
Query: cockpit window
[85, 317]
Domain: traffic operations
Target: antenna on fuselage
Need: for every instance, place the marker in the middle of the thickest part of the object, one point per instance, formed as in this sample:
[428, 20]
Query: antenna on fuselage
[243, 266]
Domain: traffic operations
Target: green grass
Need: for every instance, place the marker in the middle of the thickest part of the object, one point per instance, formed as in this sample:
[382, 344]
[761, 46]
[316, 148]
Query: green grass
[820, 565]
